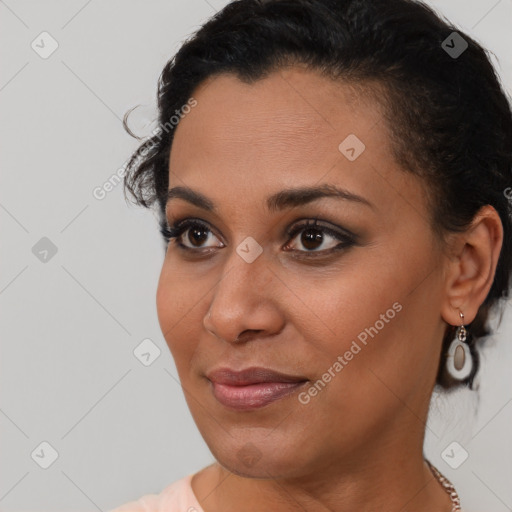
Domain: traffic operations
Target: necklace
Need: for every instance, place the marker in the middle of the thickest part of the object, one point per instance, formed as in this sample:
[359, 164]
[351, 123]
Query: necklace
[447, 485]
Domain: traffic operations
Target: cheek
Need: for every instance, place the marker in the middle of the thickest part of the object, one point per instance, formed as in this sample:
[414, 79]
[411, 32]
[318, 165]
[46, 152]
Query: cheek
[375, 313]
[167, 301]
[387, 336]
[178, 305]
[332, 310]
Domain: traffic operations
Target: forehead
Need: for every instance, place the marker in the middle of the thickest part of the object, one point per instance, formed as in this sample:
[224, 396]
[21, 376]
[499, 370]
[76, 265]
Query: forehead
[252, 140]
[292, 115]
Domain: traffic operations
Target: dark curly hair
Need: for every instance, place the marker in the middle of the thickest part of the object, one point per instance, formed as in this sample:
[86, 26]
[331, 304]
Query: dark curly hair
[449, 120]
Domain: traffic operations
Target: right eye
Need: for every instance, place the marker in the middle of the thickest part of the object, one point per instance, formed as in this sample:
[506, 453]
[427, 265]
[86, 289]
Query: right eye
[196, 232]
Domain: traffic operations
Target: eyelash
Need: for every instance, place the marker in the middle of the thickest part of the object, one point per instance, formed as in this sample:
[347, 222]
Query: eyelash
[346, 239]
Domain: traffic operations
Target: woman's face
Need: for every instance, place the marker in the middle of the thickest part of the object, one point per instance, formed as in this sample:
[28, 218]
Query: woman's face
[349, 308]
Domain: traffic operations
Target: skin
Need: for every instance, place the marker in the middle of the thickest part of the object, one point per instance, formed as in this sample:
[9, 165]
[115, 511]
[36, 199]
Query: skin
[357, 444]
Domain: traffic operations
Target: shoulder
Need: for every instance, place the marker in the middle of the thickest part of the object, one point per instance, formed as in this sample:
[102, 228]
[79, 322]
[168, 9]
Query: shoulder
[176, 497]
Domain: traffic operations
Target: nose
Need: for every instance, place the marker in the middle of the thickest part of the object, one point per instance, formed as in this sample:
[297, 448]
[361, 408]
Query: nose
[246, 302]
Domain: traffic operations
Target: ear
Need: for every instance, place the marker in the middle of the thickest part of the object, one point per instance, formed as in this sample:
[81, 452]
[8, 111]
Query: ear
[471, 266]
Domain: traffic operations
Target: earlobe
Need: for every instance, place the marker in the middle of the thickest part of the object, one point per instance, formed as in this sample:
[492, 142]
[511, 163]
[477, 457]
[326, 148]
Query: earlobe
[472, 266]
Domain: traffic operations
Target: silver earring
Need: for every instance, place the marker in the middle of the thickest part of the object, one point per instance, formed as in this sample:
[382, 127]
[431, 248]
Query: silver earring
[459, 362]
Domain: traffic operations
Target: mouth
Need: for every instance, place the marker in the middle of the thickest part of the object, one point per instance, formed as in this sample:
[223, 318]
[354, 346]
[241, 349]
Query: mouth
[253, 387]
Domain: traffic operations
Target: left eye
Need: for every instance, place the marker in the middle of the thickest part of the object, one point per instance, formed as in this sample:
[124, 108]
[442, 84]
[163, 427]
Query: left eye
[313, 237]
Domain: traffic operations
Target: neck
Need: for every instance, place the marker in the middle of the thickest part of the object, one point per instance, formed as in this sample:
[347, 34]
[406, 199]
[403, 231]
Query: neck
[393, 478]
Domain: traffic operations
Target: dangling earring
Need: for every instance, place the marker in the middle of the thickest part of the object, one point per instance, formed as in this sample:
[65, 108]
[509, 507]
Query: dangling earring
[459, 362]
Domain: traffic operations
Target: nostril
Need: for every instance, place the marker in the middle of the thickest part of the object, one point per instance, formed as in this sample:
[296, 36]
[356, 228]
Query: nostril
[248, 333]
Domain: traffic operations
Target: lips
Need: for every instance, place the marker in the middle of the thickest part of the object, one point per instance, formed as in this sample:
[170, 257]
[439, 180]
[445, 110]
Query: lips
[253, 387]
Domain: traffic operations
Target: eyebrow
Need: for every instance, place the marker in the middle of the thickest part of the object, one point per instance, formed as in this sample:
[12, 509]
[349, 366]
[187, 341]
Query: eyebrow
[287, 198]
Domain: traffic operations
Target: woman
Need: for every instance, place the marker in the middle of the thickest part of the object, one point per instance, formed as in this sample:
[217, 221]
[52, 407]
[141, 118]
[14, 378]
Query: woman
[330, 179]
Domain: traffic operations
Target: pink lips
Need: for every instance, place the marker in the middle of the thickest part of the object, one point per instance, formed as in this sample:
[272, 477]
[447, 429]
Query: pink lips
[251, 388]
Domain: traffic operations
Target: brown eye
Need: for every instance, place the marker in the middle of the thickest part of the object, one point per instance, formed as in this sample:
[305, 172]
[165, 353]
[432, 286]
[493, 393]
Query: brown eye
[316, 238]
[311, 238]
[190, 234]
[197, 235]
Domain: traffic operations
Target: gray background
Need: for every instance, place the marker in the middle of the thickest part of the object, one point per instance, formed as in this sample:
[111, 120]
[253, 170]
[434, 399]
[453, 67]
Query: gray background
[69, 325]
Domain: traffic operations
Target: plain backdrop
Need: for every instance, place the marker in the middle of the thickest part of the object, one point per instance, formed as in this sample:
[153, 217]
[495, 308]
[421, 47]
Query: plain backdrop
[79, 274]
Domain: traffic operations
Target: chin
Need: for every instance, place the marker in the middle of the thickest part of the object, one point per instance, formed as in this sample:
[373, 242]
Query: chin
[255, 459]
